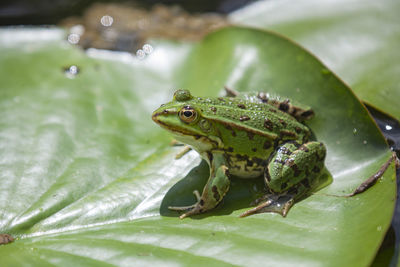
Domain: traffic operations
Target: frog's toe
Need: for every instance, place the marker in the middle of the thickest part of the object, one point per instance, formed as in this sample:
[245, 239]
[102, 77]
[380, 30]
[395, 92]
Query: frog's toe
[192, 209]
[271, 203]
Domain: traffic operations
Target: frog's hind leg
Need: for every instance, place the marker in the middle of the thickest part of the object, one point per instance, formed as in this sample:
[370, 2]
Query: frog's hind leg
[291, 174]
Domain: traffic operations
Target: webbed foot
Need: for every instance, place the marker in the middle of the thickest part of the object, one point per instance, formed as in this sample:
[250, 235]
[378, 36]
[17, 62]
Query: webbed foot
[192, 209]
[271, 203]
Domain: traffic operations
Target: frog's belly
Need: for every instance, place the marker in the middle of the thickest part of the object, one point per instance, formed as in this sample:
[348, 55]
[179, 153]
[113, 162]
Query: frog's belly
[245, 167]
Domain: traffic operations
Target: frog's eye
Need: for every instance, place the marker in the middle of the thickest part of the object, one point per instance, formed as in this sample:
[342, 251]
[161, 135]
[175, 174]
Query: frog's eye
[187, 114]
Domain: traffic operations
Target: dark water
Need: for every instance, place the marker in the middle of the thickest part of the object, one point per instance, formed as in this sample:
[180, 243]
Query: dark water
[37, 12]
[389, 252]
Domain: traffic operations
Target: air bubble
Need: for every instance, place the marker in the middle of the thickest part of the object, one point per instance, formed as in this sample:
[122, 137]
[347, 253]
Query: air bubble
[388, 127]
[354, 131]
[106, 20]
[365, 142]
[73, 38]
[140, 54]
[148, 49]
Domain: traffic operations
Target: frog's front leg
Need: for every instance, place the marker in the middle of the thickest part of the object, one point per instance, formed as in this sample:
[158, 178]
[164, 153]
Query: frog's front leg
[215, 189]
[292, 172]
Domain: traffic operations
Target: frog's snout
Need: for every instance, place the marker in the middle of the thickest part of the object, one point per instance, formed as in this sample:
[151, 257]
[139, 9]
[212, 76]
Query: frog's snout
[161, 114]
[154, 116]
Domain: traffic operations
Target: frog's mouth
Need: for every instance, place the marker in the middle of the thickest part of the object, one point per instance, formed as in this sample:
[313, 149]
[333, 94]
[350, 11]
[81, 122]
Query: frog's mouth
[168, 120]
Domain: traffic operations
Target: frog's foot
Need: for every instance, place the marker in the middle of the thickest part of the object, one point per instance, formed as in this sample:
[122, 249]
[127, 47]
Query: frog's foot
[271, 203]
[192, 209]
[184, 150]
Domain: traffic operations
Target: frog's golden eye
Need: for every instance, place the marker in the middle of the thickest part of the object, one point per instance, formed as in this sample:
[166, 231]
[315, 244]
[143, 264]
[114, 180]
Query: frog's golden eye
[187, 114]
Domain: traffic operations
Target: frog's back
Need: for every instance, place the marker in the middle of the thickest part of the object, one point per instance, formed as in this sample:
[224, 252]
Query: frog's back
[257, 118]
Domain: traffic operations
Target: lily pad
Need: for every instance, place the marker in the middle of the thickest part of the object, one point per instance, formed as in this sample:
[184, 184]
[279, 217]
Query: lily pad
[357, 39]
[86, 176]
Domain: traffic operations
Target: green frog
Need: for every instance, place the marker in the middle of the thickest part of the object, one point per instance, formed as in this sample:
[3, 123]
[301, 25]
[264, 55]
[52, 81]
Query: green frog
[247, 136]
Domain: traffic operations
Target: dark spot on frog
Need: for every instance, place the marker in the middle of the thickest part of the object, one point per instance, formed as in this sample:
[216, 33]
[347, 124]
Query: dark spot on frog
[272, 110]
[297, 129]
[283, 186]
[294, 111]
[229, 149]
[267, 144]
[260, 162]
[221, 99]
[254, 149]
[210, 156]
[296, 171]
[244, 118]
[197, 137]
[306, 183]
[213, 109]
[284, 106]
[201, 202]
[250, 135]
[241, 106]
[216, 194]
[263, 97]
[316, 169]
[268, 124]
[293, 191]
[165, 111]
[282, 122]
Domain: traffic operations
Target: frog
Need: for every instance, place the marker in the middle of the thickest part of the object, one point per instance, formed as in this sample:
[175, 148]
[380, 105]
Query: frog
[247, 135]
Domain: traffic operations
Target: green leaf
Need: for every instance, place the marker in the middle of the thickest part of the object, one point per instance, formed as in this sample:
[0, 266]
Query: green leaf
[86, 176]
[357, 39]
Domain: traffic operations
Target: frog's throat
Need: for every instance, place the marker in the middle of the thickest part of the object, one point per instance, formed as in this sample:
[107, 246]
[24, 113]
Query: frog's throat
[200, 143]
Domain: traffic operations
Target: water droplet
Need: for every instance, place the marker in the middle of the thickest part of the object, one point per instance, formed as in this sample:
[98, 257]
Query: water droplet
[354, 131]
[140, 54]
[73, 38]
[147, 48]
[71, 71]
[106, 20]
[379, 228]
[388, 127]
[365, 142]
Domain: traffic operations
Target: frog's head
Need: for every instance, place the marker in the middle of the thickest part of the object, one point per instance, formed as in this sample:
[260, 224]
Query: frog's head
[182, 116]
